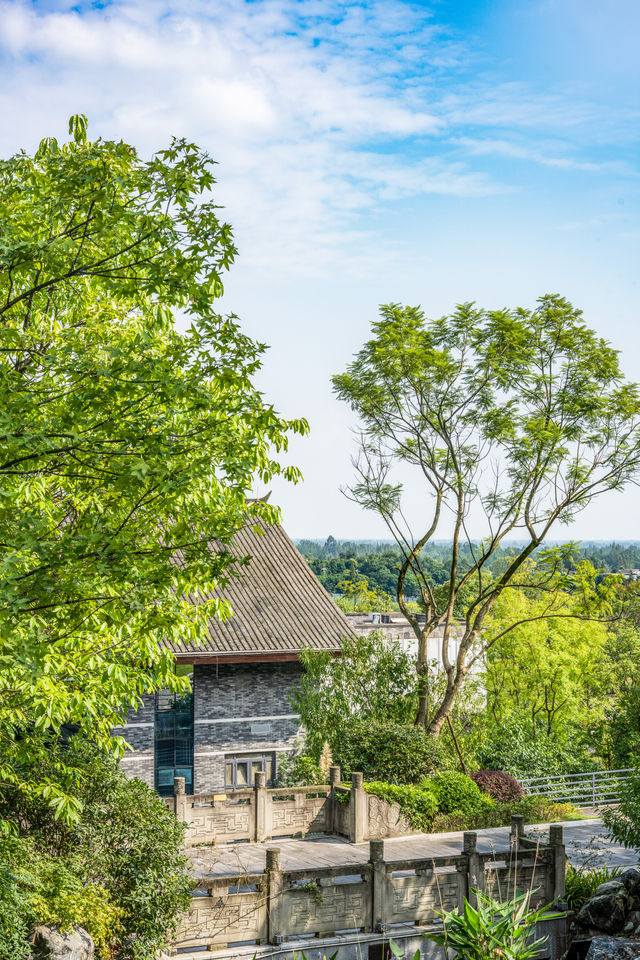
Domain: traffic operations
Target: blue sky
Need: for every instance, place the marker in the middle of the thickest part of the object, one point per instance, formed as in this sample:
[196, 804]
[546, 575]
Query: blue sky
[421, 152]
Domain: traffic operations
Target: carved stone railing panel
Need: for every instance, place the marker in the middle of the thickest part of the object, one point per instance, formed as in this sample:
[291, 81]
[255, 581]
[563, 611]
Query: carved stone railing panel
[223, 915]
[327, 907]
[386, 820]
[418, 899]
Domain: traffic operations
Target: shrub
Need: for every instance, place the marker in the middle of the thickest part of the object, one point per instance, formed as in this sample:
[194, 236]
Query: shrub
[384, 751]
[581, 884]
[417, 804]
[121, 863]
[623, 822]
[499, 785]
[298, 770]
[493, 928]
[455, 792]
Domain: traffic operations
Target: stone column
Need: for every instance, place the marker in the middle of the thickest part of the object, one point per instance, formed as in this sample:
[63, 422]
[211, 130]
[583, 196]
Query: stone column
[378, 886]
[274, 896]
[179, 799]
[557, 867]
[517, 827]
[359, 810]
[334, 781]
[262, 829]
[475, 866]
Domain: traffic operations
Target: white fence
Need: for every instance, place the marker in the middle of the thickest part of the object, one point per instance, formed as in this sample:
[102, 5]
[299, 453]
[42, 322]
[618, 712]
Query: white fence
[582, 789]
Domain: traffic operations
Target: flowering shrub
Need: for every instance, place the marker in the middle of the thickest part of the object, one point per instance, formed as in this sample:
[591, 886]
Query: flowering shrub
[499, 785]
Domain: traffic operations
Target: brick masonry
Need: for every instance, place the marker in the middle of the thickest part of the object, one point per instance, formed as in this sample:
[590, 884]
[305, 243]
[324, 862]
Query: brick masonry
[228, 694]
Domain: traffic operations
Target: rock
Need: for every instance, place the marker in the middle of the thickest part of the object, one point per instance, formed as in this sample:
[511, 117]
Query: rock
[50, 944]
[631, 880]
[613, 948]
[612, 888]
[607, 913]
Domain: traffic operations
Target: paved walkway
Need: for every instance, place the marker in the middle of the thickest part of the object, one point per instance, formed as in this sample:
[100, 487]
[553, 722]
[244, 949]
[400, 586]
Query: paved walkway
[586, 842]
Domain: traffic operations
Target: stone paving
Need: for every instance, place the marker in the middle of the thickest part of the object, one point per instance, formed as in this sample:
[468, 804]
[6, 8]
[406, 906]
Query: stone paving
[586, 842]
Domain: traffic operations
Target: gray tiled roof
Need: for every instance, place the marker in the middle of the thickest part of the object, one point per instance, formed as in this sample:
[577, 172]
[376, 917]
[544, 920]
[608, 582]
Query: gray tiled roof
[279, 605]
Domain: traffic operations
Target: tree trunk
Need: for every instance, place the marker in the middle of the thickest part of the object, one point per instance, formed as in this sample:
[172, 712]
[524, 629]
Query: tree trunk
[443, 711]
[422, 669]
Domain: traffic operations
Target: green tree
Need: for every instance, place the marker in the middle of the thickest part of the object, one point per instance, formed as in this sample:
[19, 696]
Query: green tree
[373, 679]
[127, 444]
[357, 596]
[548, 670]
[514, 420]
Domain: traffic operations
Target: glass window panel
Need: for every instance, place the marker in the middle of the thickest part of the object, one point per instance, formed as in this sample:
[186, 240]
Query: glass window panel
[165, 776]
[228, 774]
[269, 771]
[256, 767]
[242, 774]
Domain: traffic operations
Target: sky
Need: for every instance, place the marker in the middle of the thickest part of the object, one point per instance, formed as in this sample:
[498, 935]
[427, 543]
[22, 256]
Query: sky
[426, 153]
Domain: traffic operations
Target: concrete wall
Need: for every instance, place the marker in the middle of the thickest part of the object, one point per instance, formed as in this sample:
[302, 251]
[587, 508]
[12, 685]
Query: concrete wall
[238, 708]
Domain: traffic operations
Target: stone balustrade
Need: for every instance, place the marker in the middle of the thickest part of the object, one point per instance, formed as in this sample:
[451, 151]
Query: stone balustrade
[260, 813]
[279, 906]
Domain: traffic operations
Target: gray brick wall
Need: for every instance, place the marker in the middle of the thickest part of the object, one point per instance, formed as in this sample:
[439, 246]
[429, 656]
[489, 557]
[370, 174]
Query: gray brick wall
[235, 693]
[230, 695]
[140, 762]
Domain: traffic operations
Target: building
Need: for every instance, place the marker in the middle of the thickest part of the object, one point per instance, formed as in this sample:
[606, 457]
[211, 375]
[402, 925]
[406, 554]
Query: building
[238, 718]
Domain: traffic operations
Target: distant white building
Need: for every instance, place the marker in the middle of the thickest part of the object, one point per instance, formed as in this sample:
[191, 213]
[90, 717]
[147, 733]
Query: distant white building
[396, 627]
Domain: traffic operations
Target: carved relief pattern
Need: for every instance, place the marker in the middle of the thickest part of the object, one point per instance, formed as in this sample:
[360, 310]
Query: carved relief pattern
[419, 898]
[500, 882]
[294, 817]
[208, 825]
[221, 919]
[386, 820]
[342, 907]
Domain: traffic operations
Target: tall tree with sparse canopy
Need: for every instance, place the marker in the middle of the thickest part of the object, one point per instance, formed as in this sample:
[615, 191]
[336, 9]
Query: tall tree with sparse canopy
[130, 432]
[513, 421]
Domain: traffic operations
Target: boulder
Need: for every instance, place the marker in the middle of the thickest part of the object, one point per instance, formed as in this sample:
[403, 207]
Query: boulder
[51, 944]
[631, 880]
[612, 888]
[613, 948]
[606, 912]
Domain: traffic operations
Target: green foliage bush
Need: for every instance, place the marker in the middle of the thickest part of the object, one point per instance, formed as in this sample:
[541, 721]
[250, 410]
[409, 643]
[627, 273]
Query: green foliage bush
[418, 804]
[455, 792]
[298, 770]
[623, 822]
[119, 871]
[512, 747]
[386, 751]
[581, 884]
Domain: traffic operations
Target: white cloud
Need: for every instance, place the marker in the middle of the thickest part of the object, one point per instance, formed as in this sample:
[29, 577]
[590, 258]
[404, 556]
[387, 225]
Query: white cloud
[320, 112]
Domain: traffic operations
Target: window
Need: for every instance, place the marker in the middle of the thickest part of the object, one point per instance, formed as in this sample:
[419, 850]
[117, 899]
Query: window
[240, 769]
[173, 736]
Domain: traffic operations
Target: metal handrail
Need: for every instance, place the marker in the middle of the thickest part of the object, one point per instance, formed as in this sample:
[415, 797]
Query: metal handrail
[598, 787]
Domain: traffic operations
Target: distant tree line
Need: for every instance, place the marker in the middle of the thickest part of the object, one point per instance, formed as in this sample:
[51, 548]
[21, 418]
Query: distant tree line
[335, 561]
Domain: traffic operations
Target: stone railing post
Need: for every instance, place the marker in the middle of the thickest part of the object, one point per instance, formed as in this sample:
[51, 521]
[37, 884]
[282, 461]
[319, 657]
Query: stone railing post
[179, 799]
[557, 867]
[517, 829]
[378, 887]
[359, 810]
[262, 830]
[274, 896]
[475, 867]
[334, 781]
